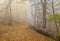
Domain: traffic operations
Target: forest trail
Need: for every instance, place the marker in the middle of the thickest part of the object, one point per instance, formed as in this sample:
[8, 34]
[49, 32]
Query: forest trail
[20, 32]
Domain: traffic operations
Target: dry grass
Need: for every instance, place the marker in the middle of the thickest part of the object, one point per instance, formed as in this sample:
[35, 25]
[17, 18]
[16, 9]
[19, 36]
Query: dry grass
[20, 32]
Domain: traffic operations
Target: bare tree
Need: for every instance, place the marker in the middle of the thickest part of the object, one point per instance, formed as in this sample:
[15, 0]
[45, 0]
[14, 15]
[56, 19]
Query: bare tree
[44, 12]
[54, 16]
[10, 21]
[36, 15]
[17, 12]
[8, 12]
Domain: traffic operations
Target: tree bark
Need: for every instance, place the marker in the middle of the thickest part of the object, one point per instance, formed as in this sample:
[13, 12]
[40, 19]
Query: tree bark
[44, 13]
[55, 17]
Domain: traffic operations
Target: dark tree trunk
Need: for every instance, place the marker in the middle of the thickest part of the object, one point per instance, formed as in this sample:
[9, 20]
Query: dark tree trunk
[55, 17]
[44, 13]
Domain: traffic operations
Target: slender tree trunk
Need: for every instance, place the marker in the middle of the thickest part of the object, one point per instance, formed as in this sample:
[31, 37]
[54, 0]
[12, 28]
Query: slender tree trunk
[5, 16]
[44, 13]
[17, 13]
[10, 15]
[55, 17]
[34, 15]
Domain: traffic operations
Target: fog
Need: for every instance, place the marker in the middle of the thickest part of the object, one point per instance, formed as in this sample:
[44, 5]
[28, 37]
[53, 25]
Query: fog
[35, 13]
[21, 12]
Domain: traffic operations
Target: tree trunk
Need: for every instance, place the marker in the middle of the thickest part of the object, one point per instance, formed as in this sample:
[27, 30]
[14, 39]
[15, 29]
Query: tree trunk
[10, 15]
[55, 17]
[44, 13]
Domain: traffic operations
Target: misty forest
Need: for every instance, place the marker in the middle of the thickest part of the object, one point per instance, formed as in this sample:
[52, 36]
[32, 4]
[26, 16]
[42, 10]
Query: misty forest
[29, 20]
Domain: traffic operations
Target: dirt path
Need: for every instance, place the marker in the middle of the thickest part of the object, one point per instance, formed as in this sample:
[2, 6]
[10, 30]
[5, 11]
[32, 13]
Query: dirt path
[20, 32]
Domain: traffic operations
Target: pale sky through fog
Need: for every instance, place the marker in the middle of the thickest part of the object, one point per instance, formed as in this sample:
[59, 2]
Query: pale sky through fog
[23, 9]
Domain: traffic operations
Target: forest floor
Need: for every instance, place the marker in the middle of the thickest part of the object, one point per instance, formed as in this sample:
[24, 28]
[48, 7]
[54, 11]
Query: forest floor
[20, 32]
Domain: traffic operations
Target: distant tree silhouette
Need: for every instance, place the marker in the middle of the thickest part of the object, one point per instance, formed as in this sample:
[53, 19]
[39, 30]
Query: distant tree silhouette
[8, 13]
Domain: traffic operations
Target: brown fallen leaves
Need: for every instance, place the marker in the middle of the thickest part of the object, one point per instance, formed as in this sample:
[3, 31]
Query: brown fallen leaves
[20, 32]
